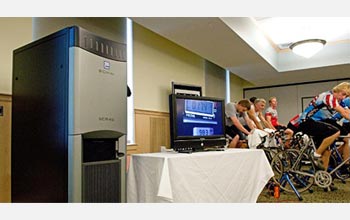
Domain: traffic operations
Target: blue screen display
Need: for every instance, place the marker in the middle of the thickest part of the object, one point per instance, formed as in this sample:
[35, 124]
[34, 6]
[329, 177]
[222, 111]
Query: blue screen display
[196, 117]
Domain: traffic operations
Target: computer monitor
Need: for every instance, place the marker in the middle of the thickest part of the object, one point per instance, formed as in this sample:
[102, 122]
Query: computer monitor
[196, 122]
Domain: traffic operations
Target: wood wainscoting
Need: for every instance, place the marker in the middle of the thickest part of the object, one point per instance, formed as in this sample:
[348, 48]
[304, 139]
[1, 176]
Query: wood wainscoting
[152, 130]
[5, 148]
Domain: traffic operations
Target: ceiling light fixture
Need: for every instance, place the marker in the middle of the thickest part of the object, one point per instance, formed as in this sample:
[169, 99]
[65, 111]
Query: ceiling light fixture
[307, 48]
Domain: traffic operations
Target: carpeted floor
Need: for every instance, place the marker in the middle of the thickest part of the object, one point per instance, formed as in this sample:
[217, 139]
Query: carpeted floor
[341, 195]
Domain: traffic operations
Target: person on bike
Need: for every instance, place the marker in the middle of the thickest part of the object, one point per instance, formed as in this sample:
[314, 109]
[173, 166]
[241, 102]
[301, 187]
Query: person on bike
[324, 133]
[238, 124]
[342, 124]
[345, 122]
[271, 116]
[256, 115]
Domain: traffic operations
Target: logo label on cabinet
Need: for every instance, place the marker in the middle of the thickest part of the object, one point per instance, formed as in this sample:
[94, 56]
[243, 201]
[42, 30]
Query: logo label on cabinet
[106, 68]
[106, 65]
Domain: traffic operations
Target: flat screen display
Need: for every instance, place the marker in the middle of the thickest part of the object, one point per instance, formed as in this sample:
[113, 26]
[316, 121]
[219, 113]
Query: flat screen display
[199, 117]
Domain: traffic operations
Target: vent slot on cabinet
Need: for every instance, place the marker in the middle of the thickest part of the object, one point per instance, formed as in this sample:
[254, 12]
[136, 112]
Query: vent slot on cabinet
[101, 182]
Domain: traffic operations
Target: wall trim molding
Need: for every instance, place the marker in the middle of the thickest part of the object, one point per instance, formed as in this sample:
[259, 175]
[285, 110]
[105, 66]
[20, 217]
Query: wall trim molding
[5, 97]
[294, 84]
[151, 112]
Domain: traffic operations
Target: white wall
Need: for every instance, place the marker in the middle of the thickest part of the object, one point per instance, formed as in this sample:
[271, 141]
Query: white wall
[15, 32]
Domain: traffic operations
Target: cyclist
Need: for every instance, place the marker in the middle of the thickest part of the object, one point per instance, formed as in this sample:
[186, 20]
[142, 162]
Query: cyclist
[238, 124]
[342, 124]
[271, 116]
[324, 133]
[255, 114]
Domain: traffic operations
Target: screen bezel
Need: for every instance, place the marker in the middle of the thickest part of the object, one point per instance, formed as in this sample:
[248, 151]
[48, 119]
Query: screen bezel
[173, 98]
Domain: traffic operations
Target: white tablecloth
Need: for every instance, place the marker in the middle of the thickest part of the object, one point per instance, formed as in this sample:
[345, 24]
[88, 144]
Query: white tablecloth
[234, 175]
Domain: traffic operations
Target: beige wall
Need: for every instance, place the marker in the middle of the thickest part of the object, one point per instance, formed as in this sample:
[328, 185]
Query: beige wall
[15, 32]
[158, 62]
[215, 83]
[215, 80]
[110, 28]
[236, 87]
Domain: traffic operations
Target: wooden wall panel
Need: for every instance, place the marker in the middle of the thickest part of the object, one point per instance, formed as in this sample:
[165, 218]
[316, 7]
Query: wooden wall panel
[152, 130]
[5, 149]
[142, 132]
[159, 130]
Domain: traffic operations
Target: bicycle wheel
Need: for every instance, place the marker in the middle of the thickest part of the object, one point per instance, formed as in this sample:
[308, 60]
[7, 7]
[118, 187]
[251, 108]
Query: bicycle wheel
[280, 165]
[340, 174]
[294, 170]
[270, 153]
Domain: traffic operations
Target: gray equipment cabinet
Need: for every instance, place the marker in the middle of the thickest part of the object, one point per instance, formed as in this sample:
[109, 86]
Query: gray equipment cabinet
[69, 119]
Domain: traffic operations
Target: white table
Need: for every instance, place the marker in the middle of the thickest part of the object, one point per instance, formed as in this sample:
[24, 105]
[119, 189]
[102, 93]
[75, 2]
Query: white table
[233, 175]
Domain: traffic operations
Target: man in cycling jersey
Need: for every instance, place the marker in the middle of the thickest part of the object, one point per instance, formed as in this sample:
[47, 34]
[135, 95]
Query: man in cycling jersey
[324, 133]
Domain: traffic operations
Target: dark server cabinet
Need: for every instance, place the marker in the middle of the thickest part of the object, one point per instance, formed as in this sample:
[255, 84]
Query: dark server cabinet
[50, 118]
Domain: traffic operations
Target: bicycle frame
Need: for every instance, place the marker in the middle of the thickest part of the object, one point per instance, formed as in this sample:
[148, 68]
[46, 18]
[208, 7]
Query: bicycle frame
[338, 157]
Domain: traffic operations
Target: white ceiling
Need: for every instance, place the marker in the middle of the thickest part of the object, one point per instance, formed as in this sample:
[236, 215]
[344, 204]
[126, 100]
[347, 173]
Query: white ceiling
[239, 45]
[284, 31]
